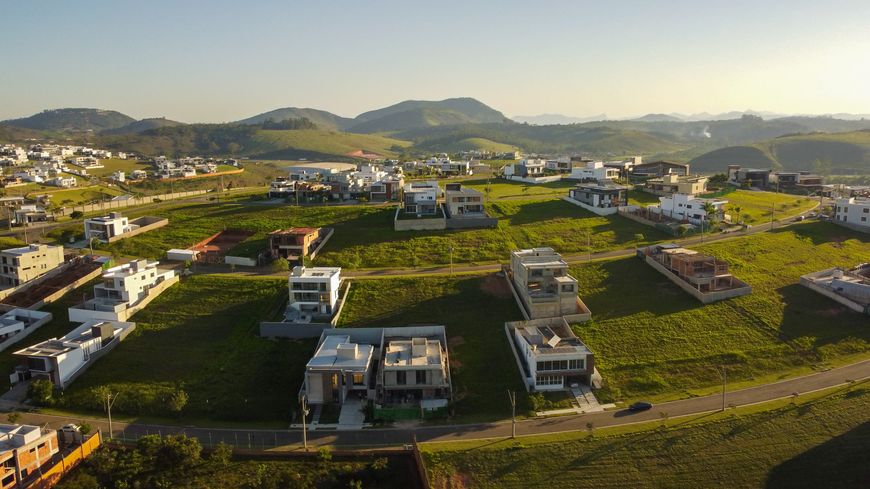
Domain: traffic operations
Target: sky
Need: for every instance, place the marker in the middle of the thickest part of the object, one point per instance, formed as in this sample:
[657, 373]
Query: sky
[217, 61]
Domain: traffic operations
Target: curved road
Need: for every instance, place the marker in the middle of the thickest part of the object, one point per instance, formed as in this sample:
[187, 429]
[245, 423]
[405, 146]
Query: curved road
[265, 439]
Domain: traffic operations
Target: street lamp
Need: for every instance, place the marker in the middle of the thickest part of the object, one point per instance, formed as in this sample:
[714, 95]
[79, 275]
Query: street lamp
[110, 400]
[304, 404]
[512, 395]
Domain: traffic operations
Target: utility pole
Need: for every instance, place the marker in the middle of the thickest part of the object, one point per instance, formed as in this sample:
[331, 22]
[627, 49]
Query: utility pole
[304, 403]
[772, 210]
[724, 374]
[110, 400]
[451, 260]
[589, 244]
[512, 395]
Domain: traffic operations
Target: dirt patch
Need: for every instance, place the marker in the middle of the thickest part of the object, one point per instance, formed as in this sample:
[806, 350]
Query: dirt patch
[495, 286]
[213, 248]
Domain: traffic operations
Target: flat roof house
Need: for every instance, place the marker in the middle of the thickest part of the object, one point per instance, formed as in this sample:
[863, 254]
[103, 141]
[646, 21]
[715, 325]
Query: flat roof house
[30, 213]
[658, 169]
[704, 276]
[125, 289]
[545, 289]
[552, 357]
[106, 227]
[853, 212]
[313, 291]
[296, 243]
[386, 189]
[601, 198]
[686, 207]
[21, 265]
[413, 369]
[62, 360]
[848, 287]
[421, 198]
[676, 184]
[24, 451]
[527, 168]
[338, 367]
[594, 171]
[463, 201]
[752, 177]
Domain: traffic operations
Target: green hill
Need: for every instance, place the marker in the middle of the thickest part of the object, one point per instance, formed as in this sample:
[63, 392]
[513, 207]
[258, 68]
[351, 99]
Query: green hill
[845, 153]
[467, 144]
[423, 113]
[323, 119]
[244, 140]
[73, 120]
[143, 125]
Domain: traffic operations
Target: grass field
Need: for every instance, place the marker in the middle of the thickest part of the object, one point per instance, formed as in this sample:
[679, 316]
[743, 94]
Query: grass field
[201, 336]
[473, 311]
[364, 235]
[501, 189]
[273, 142]
[818, 443]
[651, 339]
[111, 165]
[756, 207]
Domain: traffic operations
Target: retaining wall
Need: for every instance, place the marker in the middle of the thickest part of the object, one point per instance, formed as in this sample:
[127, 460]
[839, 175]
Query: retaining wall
[99, 354]
[240, 260]
[608, 211]
[471, 222]
[859, 308]
[145, 223]
[422, 224]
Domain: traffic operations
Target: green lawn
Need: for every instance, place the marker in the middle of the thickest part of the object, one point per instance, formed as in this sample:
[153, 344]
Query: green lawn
[500, 188]
[364, 235]
[820, 443]
[473, 311]
[756, 207]
[111, 165]
[201, 336]
[651, 339]
[320, 142]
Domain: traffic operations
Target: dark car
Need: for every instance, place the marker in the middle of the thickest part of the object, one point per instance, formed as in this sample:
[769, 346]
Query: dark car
[640, 406]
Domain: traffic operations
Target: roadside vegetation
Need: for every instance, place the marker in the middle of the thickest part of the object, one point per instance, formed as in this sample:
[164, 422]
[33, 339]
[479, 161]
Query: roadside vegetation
[652, 340]
[815, 443]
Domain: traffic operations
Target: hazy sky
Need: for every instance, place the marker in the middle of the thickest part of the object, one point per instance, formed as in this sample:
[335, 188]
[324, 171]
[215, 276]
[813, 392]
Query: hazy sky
[197, 60]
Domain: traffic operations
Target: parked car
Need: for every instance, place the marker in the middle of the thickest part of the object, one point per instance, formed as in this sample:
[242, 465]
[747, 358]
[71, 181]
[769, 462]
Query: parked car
[640, 406]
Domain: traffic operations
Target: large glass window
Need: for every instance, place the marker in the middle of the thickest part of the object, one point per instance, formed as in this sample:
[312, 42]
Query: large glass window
[400, 377]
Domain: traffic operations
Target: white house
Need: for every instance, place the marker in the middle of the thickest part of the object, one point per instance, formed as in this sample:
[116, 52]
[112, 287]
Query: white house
[125, 289]
[21, 265]
[338, 367]
[421, 198]
[553, 357]
[853, 211]
[314, 290]
[63, 182]
[687, 207]
[594, 170]
[61, 360]
[414, 368]
[105, 227]
[527, 168]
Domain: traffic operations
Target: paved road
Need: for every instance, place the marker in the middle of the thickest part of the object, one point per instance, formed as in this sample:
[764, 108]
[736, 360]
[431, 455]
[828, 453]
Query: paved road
[264, 439]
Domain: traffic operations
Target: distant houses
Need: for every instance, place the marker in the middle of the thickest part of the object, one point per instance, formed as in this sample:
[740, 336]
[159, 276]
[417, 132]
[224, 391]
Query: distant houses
[676, 184]
[422, 209]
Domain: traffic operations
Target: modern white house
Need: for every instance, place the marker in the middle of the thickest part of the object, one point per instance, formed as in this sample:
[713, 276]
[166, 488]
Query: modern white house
[593, 171]
[106, 227]
[463, 201]
[61, 360]
[313, 291]
[540, 278]
[413, 369]
[551, 356]
[421, 198]
[16, 324]
[687, 207]
[527, 168]
[338, 367]
[125, 290]
[21, 265]
[853, 212]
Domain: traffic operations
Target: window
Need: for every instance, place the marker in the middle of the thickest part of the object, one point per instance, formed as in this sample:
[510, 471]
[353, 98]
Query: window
[358, 379]
[552, 365]
[421, 377]
[549, 380]
[400, 377]
[578, 364]
[567, 288]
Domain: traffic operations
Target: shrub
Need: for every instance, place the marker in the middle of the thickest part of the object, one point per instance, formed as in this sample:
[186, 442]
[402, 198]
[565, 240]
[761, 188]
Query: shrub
[77, 214]
[41, 392]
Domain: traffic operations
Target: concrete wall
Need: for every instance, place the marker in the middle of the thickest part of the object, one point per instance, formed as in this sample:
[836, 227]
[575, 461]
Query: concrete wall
[609, 211]
[145, 223]
[705, 298]
[471, 222]
[59, 292]
[312, 254]
[276, 329]
[533, 180]
[26, 331]
[240, 260]
[422, 224]
[120, 204]
[859, 308]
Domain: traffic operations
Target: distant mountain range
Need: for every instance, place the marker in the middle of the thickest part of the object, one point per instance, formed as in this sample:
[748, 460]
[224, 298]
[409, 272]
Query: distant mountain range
[549, 119]
[414, 128]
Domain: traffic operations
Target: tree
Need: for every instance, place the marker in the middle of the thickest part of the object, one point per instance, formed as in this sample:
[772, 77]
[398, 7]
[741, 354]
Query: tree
[85, 429]
[222, 455]
[280, 265]
[709, 211]
[77, 214]
[737, 210]
[41, 392]
[638, 238]
[13, 417]
[176, 401]
[590, 427]
[324, 455]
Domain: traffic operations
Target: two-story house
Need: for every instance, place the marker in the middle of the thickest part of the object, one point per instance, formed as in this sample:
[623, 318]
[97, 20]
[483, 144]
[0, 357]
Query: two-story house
[541, 280]
[687, 207]
[106, 227]
[553, 357]
[463, 201]
[421, 198]
[414, 368]
[313, 291]
[339, 367]
[21, 265]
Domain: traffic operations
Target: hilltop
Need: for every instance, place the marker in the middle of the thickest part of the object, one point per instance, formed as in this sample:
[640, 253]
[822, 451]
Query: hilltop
[412, 114]
[323, 119]
[143, 125]
[847, 152]
[73, 120]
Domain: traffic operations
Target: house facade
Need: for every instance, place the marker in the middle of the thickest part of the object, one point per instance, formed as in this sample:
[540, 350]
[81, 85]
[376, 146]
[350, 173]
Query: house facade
[25, 450]
[552, 357]
[463, 201]
[413, 369]
[61, 360]
[21, 265]
[658, 169]
[751, 177]
[421, 198]
[853, 211]
[339, 367]
[527, 168]
[600, 198]
[686, 207]
[106, 227]
[295, 243]
[314, 290]
[676, 184]
[541, 280]
[594, 171]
